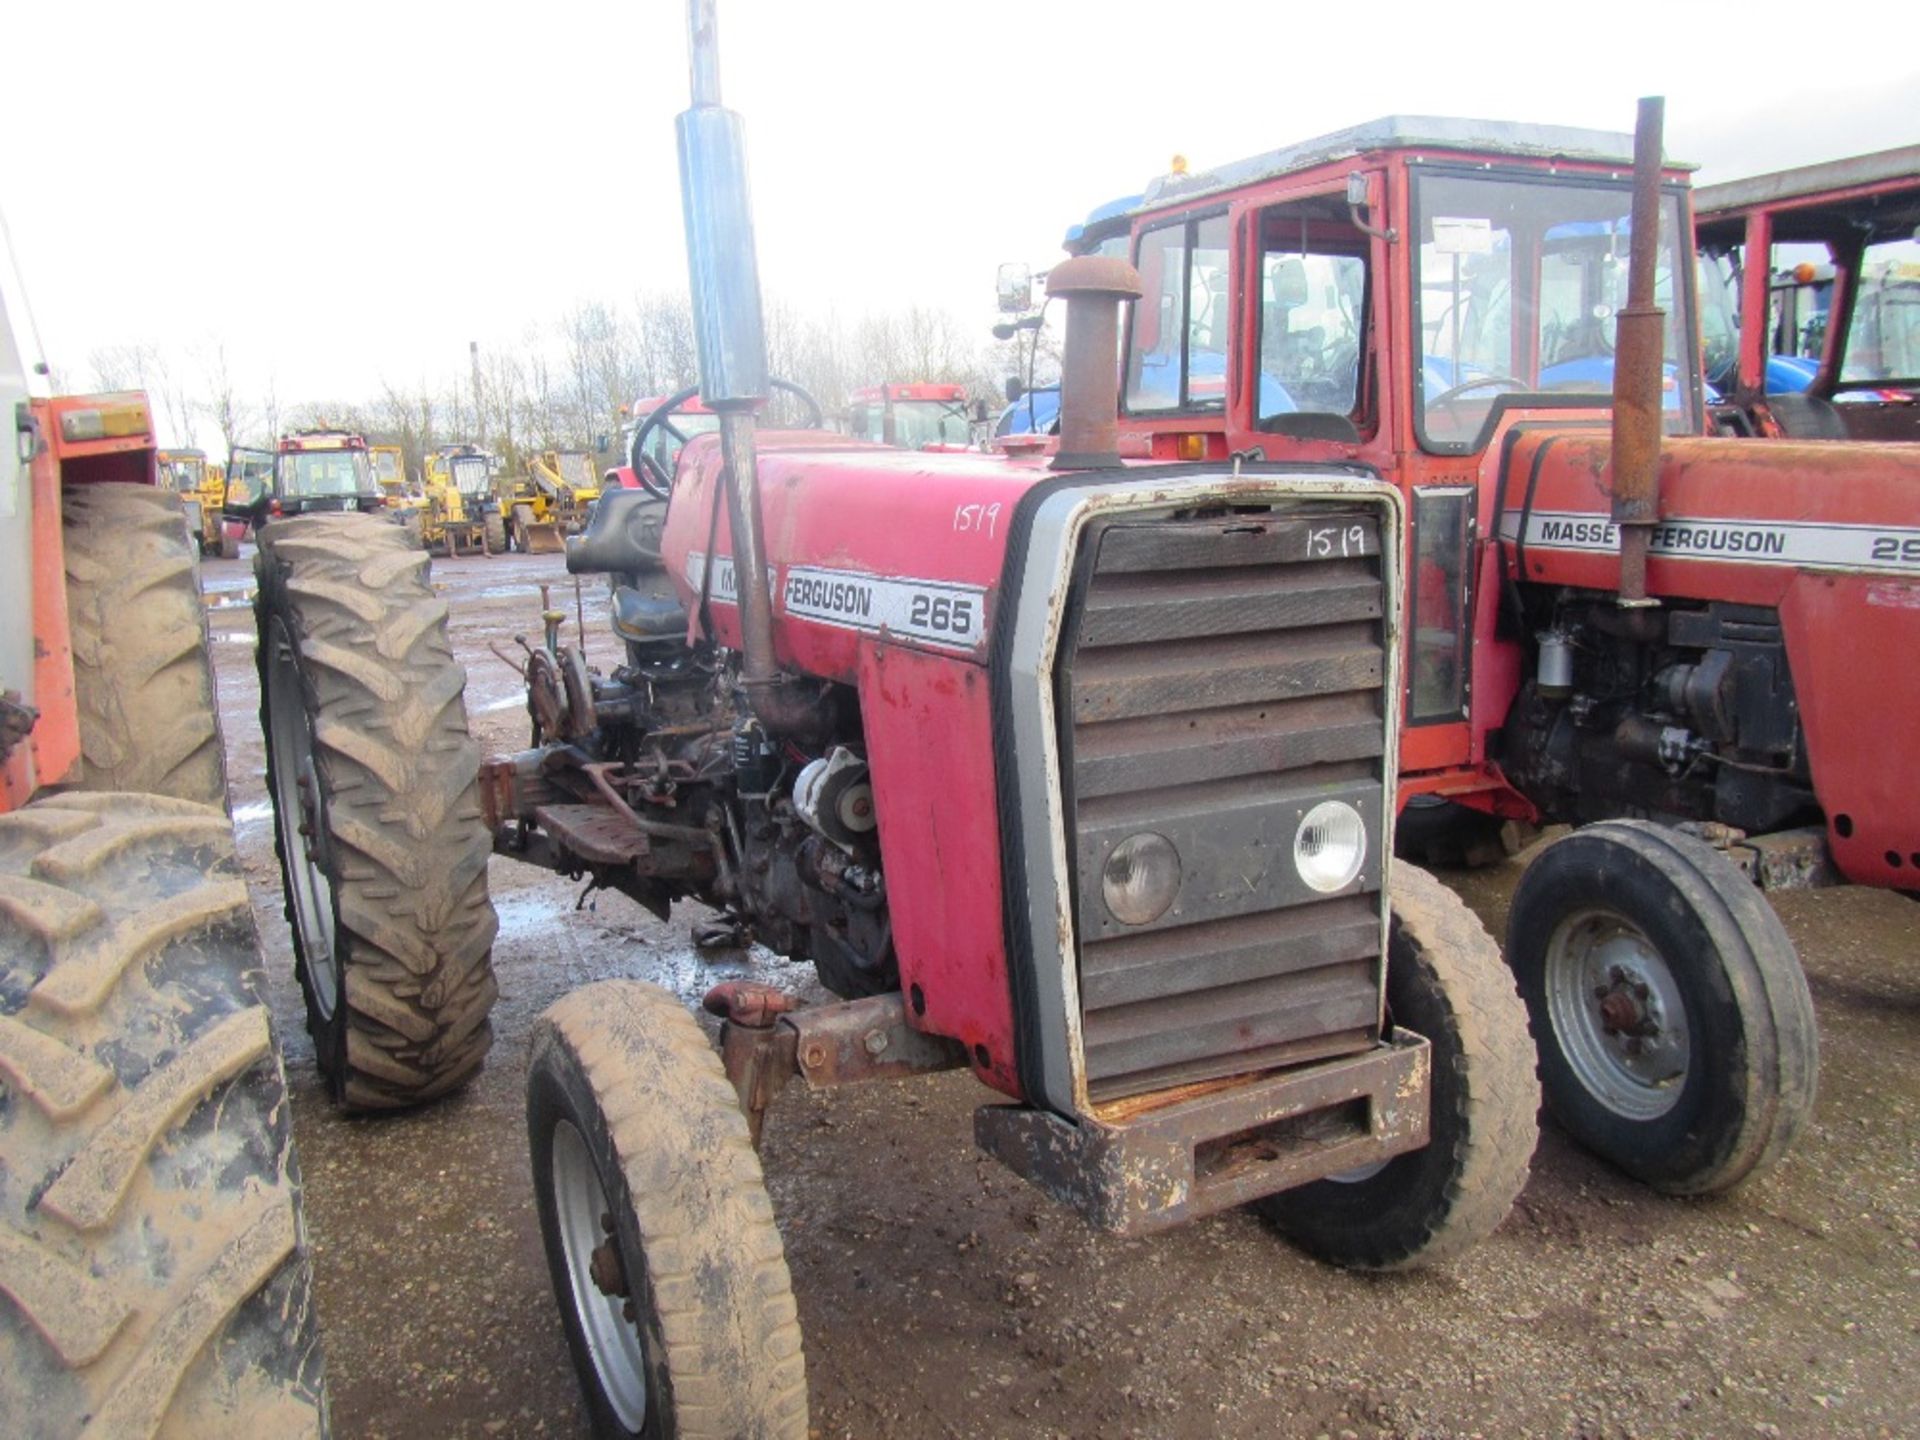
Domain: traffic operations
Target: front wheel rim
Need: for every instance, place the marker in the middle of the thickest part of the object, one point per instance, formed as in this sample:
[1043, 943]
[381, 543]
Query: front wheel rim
[1617, 1014]
[581, 1213]
[300, 813]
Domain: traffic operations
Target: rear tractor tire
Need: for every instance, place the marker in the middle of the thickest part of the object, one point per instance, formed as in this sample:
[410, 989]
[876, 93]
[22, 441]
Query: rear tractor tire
[493, 533]
[142, 677]
[151, 1246]
[1676, 1034]
[522, 519]
[1445, 982]
[377, 817]
[669, 1271]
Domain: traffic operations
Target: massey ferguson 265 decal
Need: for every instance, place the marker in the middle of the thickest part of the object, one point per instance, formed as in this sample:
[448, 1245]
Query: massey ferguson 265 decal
[935, 612]
[1796, 543]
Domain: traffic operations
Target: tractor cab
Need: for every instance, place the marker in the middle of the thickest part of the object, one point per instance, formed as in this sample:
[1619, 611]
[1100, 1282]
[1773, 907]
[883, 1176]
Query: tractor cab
[912, 417]
[315, 470]
[1820, 270]
[183, 471]
[1282, 316]
[202, 491]
[390, 470]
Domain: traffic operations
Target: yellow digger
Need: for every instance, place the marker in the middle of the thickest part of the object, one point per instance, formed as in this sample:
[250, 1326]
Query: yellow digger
[406, 504]
[202, 489]
[552, 501]
[461, 516]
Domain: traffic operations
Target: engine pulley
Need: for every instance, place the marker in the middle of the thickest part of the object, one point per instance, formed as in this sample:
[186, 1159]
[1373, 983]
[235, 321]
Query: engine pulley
[834, 796]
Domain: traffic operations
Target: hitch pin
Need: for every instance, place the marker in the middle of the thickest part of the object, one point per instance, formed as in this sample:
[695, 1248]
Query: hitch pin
[552, 618]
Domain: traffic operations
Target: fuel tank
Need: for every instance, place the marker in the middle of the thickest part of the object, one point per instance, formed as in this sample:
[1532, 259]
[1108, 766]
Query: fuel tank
[1827, 534]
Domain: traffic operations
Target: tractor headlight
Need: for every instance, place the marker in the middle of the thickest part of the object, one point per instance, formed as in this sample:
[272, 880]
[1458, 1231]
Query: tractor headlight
[1330, 846]
[1140, 878]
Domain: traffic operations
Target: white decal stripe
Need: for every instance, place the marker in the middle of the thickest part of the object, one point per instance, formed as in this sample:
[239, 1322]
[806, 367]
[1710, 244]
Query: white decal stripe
[934, 611]
[1796, 543]
[724, 591]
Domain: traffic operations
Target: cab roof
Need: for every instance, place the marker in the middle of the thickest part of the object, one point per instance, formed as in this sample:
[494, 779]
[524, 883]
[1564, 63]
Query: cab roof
[1392, 132]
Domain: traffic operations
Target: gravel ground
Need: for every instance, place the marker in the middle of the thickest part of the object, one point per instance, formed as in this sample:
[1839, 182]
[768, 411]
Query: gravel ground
[941, 1297]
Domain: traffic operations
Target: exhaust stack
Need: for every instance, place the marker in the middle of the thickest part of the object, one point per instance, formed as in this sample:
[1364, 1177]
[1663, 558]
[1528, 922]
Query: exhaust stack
[1638, 365]
[724, 275]
[1094, 288]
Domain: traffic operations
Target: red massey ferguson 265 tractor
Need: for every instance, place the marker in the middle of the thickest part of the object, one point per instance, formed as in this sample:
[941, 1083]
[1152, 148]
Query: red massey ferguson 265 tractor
[1073, 773]
[1706, 646]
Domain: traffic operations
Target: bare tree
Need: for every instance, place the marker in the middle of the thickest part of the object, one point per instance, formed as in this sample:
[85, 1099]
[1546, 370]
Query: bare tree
[223, 403]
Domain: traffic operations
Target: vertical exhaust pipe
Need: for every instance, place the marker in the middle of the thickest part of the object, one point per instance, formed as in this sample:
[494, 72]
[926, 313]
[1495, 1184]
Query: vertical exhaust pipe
[1638, 366]
[724, 275]
[1094, 288]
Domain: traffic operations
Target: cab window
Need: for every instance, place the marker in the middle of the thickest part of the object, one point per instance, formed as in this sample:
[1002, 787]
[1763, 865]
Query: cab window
[1313, 303]
[1182, 328]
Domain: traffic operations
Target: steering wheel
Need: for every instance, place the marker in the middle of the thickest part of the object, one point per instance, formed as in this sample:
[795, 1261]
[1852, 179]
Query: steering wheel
[1454, 391]
[652, 475]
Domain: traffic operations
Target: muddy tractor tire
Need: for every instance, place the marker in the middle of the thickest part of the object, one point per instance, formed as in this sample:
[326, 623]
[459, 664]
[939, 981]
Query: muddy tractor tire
[150, 1236]
[522, 523]
[142, 677]
[1444, 981]
[1676, 1034]
[413, 532]
[666, 1263]
[493, 533]
[377, 822]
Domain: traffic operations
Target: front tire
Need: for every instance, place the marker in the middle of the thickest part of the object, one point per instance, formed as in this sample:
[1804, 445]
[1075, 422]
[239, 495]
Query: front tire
[665, 1260]
[377, 816]
[150, 1231]
[142, 677]
[1676, 1034]
[1445, 982]
[493, 533]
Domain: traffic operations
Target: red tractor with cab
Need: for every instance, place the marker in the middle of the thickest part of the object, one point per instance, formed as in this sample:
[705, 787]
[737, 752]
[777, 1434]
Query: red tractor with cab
[1846, 236]
[1699, 650]
[913, 417]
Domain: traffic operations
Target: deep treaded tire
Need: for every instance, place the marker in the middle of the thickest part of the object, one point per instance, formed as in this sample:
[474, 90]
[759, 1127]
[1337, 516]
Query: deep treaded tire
[149, 721]
[631, 1117]
[1444, 981]
[367, 747]
[150, 1235]
[522, 519]
[493, 533]
[1705, 1069]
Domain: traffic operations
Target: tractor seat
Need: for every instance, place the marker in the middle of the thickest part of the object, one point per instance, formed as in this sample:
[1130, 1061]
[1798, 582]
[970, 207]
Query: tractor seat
[622, 535]
[643, 619]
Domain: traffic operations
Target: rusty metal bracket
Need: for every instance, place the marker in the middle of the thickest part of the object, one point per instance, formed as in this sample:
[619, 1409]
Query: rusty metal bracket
[767, 1039]
[1176, 1163]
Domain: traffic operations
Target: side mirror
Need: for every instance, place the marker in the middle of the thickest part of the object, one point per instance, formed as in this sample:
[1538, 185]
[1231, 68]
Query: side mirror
[1357, 190]
[1014, 284]
[1016, 387]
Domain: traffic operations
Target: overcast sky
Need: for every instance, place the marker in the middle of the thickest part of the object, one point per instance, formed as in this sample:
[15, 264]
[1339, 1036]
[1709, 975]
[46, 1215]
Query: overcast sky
[349, 192]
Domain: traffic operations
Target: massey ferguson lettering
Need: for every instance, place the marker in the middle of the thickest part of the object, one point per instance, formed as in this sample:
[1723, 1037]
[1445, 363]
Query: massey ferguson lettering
[812, 595]
[930, 611]
[1585, 534]
[1718, 540]
[1802, 544]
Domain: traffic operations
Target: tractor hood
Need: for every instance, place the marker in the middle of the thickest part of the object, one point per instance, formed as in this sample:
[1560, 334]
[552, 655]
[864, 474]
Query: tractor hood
[1738, 518]
[867, 542]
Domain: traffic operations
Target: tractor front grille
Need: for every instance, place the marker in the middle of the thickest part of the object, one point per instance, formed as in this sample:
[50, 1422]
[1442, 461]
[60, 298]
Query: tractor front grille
[1219, 677]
